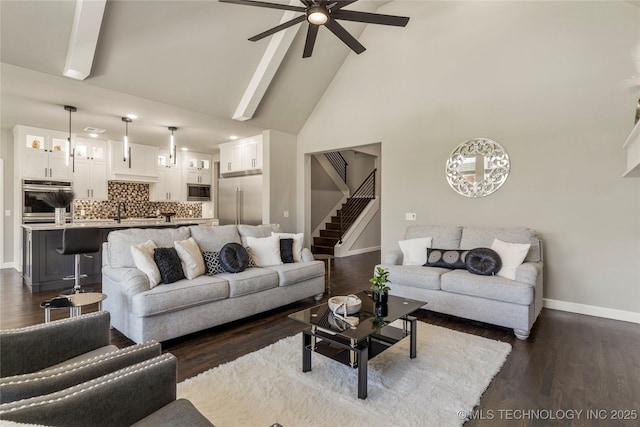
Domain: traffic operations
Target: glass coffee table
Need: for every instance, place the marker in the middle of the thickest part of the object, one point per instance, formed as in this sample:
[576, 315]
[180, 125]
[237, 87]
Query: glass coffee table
[73, 302]
[354, 346]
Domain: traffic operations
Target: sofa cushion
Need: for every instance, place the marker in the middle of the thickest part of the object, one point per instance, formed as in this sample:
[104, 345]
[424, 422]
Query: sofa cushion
[234, 258]
[211, 238]
[491, 287]
[263, 230]
[415, 276]
[265, 251]
[191, 257]
[289, 274]
[120, 242]
[483, 261]
[446, 258]
[169, 264]
[250, 281]
[445, 237]
[179, 295]
[298, 242]
[476, 237]
[212, 261]
[143, 258]
[511, 255]
[414, 251]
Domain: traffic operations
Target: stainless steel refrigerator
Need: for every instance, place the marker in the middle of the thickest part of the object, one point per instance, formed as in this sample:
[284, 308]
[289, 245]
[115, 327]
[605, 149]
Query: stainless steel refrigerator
[240, 200]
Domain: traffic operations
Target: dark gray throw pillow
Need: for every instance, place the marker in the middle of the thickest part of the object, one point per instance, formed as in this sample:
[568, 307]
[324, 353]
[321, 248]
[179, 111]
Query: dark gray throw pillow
[212, 262]
[453, 259]
[169, 264]
[286, 250]
[234, 258]
[483, 261]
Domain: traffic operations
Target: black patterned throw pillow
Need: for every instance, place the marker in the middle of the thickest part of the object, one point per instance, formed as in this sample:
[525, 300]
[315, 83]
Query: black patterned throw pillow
[169, 264]
[286, 250]
[453, 259]
[483, 261]
[252, 262]
[212, 261]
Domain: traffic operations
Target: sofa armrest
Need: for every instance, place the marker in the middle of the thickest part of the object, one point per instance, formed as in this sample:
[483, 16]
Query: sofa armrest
[528, 272]
[393, 258]
[307, 255]
[39, 383]
[131, 281]
[34, 348]
[120, 398]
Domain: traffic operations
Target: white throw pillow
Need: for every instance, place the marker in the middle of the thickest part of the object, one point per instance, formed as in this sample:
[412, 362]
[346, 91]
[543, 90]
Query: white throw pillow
[143, 258]
[192, 261]
[414, 251]
[264, 250]
[511, 255]
[297, 243]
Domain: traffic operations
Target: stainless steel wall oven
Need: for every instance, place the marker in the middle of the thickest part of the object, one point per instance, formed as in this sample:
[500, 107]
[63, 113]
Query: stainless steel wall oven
[34, 209]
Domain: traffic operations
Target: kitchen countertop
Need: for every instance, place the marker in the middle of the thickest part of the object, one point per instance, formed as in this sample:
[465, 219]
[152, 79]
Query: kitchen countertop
[125, 223]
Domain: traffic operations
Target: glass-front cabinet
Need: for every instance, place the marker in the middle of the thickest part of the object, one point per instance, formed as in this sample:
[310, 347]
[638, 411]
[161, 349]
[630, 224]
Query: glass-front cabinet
[45, 154]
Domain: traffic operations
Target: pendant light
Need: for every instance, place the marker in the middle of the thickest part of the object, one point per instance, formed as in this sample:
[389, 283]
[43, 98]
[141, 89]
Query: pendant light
[70, 109]
[126, 151]
[172, 145]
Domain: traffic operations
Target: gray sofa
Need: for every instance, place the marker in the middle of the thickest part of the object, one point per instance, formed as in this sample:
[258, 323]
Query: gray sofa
[171, 310]
[491, 299]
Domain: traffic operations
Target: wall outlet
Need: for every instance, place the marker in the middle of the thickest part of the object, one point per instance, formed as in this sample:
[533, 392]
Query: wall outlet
[286, 214]
[410, 216]
[7, 212]
[81, 212]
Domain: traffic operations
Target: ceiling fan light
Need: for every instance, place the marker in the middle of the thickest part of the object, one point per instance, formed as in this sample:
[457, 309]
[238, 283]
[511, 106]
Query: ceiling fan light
[317, 15]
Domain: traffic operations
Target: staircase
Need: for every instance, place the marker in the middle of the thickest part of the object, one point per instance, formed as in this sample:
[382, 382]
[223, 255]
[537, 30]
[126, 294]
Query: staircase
[345, 217]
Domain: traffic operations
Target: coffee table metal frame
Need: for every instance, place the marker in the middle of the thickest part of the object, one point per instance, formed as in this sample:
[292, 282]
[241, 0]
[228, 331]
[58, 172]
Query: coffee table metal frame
[77, 301]
[357, 351]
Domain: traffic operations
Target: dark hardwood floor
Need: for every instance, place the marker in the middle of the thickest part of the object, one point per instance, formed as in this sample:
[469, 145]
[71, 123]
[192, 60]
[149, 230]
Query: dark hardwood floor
[573, 369]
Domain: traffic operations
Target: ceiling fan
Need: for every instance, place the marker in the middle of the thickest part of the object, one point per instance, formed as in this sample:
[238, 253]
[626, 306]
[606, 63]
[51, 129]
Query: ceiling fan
[324, 12]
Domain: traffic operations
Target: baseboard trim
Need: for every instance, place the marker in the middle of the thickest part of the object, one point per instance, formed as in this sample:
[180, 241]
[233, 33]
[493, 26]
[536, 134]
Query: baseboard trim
[592, 310]
[9, 265]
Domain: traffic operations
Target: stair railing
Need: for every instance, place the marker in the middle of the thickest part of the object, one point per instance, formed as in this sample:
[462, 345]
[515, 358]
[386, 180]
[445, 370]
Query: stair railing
[356, 203]
[339, 164]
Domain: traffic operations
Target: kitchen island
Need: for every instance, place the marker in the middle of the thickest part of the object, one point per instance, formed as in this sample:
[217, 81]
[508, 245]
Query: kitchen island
[43, 268]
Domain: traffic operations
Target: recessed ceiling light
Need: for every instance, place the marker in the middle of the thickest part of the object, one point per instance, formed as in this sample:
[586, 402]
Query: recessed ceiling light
[184, 149]
[132, 116]
[94, 135]
[233, 137]
[91, 129]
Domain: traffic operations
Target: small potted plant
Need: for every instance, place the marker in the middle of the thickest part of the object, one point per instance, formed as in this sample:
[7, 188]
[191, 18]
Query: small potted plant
[380, 285]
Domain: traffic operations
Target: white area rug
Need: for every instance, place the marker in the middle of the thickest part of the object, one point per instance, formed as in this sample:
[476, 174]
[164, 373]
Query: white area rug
[449, 374]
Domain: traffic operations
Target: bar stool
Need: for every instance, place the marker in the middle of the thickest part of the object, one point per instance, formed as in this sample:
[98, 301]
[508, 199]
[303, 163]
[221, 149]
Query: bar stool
[79, 241]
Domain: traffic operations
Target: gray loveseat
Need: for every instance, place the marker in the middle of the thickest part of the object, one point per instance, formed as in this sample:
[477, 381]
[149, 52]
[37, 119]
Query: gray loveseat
[171, 310]
[491, 299]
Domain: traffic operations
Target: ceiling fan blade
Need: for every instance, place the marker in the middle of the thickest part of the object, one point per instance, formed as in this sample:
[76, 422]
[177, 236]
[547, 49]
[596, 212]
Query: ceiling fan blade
[264, 4]
[312, 33]
[344, 35]
[280, 27]
[370, 18]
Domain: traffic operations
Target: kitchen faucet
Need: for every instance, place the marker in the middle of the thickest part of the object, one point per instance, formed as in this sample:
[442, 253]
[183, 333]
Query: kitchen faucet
[124, 209]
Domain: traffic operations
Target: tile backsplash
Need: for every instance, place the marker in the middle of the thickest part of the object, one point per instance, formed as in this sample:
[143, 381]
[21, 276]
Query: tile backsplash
[136, 198]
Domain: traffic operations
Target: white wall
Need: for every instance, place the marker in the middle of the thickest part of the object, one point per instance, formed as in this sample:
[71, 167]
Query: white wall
[6, 153]
[279, 156]
[545, 79]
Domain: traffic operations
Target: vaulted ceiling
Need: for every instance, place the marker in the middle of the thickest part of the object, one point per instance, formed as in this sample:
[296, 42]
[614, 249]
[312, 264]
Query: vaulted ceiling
[173, 63]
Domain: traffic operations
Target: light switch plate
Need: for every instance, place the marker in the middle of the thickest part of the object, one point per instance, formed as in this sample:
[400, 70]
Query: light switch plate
[286, 214]
[410, 216]
[7, 212]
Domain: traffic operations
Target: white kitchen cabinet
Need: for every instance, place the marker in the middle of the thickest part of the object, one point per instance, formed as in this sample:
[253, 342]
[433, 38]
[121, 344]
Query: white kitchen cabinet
[242, 155]
[197, 168]
[89, 165]
[170, 186]
[139, 166]
[44, 154]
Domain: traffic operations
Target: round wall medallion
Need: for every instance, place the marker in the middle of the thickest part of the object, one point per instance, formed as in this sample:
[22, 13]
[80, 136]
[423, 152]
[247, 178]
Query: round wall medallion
[477, 167]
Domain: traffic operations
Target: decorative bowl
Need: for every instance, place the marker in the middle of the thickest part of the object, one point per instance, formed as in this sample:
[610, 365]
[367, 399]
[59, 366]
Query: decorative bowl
[336, 304]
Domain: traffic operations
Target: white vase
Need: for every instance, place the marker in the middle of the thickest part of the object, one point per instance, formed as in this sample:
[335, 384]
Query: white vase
[60, 216]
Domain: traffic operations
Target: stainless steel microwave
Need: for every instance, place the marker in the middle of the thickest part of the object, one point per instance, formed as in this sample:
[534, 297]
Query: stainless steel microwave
[198, 192]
